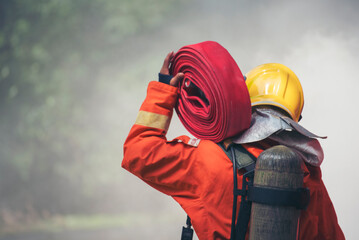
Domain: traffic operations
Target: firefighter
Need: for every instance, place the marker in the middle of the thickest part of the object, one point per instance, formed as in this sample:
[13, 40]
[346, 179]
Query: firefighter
[198, 173]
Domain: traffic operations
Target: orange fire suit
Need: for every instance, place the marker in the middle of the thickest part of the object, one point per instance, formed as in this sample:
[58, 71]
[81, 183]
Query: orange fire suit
[199, 175]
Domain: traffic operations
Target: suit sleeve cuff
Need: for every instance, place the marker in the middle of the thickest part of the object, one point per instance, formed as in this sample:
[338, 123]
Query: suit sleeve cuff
[164, 78]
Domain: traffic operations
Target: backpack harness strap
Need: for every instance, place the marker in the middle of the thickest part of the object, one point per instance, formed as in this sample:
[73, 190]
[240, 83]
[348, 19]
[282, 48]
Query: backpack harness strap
[238, 231]
[298, 198]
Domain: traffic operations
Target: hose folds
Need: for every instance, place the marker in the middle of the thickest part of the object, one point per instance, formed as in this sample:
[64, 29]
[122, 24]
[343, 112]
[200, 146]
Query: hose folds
[213, 102]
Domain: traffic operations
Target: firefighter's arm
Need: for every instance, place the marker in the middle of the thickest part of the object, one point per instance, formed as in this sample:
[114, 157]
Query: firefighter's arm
[167, 166]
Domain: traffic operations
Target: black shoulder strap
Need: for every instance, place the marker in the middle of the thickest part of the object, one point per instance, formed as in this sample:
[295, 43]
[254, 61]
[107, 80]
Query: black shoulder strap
[239, 230]
[243, 158]
[235, 187]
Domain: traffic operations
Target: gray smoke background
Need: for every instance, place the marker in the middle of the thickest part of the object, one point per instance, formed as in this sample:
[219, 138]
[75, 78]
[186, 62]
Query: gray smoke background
[317, 39]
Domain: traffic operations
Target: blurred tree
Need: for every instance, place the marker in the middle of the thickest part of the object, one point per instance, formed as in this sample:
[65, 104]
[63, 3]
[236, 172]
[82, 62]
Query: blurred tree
[51, 52]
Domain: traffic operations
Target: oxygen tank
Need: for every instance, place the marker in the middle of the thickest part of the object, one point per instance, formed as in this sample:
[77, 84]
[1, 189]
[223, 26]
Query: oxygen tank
[277, 168]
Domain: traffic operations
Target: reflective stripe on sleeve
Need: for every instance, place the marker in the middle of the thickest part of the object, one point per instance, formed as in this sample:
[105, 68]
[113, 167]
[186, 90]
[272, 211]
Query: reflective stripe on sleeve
[153, 120]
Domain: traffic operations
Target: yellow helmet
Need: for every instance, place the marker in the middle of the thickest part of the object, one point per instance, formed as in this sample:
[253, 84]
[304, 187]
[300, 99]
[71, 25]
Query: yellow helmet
[276, 85]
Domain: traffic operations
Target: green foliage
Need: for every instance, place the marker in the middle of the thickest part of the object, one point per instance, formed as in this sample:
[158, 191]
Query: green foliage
[51, 56]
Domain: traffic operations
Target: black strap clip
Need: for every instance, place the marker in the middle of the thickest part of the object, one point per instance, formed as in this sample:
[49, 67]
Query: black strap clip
[246, 184]
[187, 232]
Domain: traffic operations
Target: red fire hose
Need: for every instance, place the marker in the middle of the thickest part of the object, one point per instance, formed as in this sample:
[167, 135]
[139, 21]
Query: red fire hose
[213, 102]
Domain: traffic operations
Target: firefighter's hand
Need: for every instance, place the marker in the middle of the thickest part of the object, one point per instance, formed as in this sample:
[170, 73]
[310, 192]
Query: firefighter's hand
[166, 63]
[165, 76]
